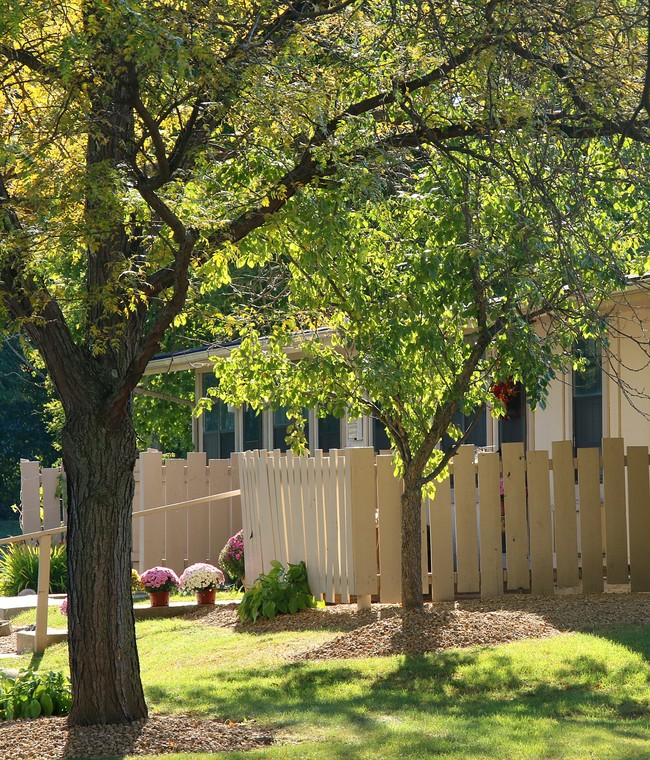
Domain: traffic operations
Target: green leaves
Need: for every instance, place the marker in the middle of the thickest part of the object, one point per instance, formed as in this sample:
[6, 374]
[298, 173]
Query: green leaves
[32, 694]
[280, 591]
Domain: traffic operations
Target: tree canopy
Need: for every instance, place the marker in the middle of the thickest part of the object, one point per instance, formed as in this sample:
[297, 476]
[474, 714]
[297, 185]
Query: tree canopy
[149, 149]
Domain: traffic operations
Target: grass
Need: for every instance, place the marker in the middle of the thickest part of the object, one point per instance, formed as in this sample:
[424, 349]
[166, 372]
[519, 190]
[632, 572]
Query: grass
[572, 696]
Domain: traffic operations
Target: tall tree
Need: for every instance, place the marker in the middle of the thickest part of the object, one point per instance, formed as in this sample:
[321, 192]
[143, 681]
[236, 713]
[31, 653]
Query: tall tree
[145, 147]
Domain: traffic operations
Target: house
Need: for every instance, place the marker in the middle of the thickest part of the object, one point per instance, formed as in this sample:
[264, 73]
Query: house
[610, 397]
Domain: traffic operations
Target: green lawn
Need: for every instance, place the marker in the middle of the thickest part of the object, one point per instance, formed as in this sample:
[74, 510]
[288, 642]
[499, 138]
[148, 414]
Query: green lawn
[573, 696]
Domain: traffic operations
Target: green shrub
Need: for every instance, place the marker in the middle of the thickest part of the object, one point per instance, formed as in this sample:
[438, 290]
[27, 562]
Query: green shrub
[279, 591]
[19, 569]
[32, 694]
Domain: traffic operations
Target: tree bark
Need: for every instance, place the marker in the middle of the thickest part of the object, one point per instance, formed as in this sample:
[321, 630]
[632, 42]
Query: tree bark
[104, 666]
[411, 544]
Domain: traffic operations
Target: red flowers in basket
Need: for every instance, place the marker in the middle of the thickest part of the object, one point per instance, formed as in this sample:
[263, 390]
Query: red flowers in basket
[504, 391]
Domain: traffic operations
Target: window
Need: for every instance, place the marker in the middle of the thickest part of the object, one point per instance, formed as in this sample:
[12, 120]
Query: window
[280, 424]
[252, 429]
[329, 433]
[588, 397]
[512, 427]
[477, 435]
[380, 439]
[218, 425]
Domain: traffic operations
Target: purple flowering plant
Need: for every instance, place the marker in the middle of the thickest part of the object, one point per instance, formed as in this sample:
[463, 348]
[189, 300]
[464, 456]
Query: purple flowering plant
[159, 579]
[231, 558]
[201, 577]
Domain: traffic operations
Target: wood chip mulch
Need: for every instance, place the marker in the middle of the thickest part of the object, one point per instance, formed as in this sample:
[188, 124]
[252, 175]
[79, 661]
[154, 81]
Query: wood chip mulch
[383, 630]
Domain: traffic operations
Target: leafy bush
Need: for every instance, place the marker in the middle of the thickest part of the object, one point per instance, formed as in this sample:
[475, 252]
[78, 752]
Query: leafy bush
[279, 591]
[136, 582]
[19, 569]
[32, 694]
[231, 558]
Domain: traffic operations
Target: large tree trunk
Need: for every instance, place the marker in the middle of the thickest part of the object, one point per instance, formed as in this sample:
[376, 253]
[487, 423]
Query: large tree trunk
[105, 671]
[411, 544]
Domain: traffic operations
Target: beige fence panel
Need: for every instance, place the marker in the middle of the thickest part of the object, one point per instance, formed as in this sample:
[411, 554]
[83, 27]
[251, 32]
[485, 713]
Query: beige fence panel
[541, 527]
[135, 524]
[490, 525]
[250, 515]
[51, 497]
[514, 489]
[389, 492]
[219, 481]
[441, 542]
[332, 530]
[638, 488]
[362, 495]
[566, 530]
[345, 523]
[198, 518]
[152, 494]
[591, 543]
[235, 502]
[615, 517]
[176, 540]
[467, 576]
[30, 495]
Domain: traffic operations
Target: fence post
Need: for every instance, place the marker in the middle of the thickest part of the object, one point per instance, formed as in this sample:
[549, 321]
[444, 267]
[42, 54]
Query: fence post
[45, 546]
[363, 502]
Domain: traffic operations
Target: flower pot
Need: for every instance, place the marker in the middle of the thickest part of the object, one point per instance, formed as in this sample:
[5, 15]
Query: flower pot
[205, 596]
[159, 598]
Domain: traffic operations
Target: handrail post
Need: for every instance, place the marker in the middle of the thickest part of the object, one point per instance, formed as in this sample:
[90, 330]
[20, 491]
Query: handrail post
[43, 588]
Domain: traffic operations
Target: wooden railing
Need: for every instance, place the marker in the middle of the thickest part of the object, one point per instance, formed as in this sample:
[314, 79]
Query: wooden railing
[44, 538]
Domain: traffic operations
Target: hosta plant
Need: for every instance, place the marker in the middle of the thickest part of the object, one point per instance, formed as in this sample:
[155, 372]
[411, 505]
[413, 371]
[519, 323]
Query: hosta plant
[159, 579]
[277, 592]
[31, 694]
[201, 577]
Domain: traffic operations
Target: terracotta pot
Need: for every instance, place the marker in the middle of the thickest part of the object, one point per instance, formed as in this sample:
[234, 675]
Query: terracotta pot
[205, 596]
[159, 598]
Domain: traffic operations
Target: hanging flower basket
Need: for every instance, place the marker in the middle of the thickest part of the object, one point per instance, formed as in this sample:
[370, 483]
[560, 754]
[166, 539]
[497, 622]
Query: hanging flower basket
[504, 391]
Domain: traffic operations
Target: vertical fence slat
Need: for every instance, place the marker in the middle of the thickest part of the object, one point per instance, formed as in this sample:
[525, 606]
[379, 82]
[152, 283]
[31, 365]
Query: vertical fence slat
[30, 495]
[219, 475]
[363, 503]
[467, 576]
[566, 529]
[541, 527]
[389, 491]
[42, 605]
[442, 552]
[152, 529]
[331, 507]
[321, 521]
[615, 518]
[51, 497]
[235, 503]
[591, 541]
[490, 525]
[345, 520]
[638, 486]
[514, 488]
[198, 521]
[176, 519]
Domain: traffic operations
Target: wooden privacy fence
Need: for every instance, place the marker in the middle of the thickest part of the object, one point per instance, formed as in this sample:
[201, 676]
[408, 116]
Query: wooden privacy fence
[497, 523]
[195, 530]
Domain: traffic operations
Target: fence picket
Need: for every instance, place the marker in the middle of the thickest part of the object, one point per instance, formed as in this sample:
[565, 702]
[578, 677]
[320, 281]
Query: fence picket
[541, 525]
[50, 477]
[514, 489]
[176, 519]
[490, 540]
[441, 543]
[152, 529]
[566, 530]
[591, 541]
[467, 575]
[198, 519]
[615, 518]
[30, 495]
[638, 486]
[389, 491]
[220, 512]
[363, 502]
